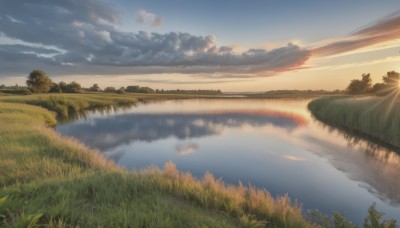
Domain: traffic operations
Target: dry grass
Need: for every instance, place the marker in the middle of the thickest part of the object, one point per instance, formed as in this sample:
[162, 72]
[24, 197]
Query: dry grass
[238, 201]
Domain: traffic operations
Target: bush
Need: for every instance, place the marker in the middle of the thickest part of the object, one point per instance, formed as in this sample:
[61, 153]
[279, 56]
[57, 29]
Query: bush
[121, 90]
[374, 217]
[110, 89]
[16, 91]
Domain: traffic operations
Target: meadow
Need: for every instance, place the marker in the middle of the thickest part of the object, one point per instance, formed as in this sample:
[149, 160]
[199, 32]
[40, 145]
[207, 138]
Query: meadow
[49, 180]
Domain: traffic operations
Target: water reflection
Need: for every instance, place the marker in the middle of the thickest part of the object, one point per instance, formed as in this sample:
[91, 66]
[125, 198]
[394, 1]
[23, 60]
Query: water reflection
[185, 149]
[274, 144]
[85, 114]
[107, 133]
[376, 167]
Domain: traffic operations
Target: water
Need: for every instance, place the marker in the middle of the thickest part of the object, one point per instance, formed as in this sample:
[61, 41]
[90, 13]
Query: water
[272, 144]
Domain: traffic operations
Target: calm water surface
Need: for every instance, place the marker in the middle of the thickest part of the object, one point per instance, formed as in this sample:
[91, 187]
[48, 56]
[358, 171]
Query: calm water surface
[272, 144]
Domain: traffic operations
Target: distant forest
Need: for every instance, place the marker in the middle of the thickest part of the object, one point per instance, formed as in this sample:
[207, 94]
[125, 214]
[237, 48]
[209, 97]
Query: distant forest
[295, 91]
[39, 82]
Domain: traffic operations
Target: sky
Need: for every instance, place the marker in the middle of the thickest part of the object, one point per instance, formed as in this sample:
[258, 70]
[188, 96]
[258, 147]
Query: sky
[234, 45]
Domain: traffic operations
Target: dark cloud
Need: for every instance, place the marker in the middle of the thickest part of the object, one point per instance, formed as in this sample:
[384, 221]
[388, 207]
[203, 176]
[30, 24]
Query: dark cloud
[27, 49]
[381, 31]
[85, 34]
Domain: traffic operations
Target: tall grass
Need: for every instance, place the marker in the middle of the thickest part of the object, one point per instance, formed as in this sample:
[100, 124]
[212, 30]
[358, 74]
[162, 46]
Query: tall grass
[30, 150]
[238, 201]
[105, 199]
[376, 117]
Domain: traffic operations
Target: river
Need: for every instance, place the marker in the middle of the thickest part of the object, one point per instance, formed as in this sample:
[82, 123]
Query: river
[272, 144]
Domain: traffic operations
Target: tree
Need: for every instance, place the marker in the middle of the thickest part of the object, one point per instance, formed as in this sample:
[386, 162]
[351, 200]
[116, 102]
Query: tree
[121, 90]
[38, 81]
[379, 88]
[95, 88]
[366, 79]
[360, 86]
[63, 86]
[145, 90]
[132, 89]
[55, 88]
[72, 87]
[392, 79]
[110, 89]
[356, 87]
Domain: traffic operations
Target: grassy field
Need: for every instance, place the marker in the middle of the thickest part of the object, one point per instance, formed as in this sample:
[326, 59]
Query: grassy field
[50, 180]
[66, 104]
[374, 117]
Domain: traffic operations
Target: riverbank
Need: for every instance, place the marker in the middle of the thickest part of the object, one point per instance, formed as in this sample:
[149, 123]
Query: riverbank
[373, 117]
[51, 180]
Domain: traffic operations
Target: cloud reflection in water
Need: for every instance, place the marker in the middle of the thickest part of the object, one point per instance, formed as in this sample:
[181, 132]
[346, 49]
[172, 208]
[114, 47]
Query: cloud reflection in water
[184, 150]
[107, 133]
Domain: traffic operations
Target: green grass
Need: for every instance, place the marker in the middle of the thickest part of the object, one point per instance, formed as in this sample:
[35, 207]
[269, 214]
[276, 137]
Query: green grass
[106, 199]
[51, 180]
[375, 117]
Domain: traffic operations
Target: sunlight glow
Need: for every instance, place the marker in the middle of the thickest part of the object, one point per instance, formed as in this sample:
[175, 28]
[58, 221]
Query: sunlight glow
[294, 158]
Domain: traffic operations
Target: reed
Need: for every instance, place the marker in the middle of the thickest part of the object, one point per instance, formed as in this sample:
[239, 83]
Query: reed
[375, 117]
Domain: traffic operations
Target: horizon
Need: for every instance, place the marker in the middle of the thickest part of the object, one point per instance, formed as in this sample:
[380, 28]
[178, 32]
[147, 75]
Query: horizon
[235, 47]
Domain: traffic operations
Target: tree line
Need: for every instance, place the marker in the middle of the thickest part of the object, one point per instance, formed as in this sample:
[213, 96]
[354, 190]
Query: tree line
[390, 83]
[39, 82]
[191, 91]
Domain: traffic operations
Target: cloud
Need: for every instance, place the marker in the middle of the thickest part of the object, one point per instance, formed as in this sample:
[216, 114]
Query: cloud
[104, 35]
[184, 150]
[358, 64]
[382, 31]
[74, 37]
[293, 158]
[107, 134]
[88, 42]
[149, 19]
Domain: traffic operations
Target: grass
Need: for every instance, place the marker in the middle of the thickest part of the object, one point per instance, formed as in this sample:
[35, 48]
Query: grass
[106, 199]
[288, 95]
[50, 180]
[374, 117]
[67, 104]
